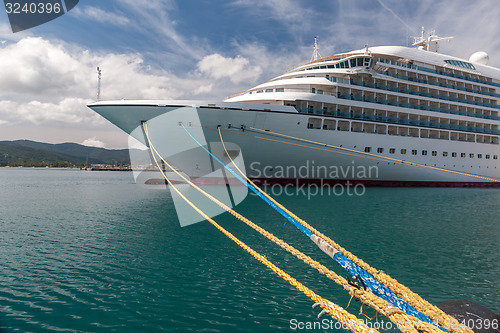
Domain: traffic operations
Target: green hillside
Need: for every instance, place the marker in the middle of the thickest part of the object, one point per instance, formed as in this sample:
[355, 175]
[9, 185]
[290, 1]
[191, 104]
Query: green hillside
[32, 153]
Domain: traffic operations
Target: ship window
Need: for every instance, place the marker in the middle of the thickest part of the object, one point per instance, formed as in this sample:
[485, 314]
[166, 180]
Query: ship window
[460, 64]
[424, 152]
[445, 153]
[367, 62]
[495, 157]
[353, 62]
[330, 66]
[314, 123]
[359, 62]
[392, 150]
[259, 91]
[487, 156]
[403, 151]
[380, 150]
[368, 149]
[462, 155]
[343, 125]
[269, 90]
[434, 153]
[322, 67]
[320, 92]
[313, 90]
[471, 155]
[454, 154]
[479, 155]
[337, 65]
[414, 152]
[280, 89]
[329, 124]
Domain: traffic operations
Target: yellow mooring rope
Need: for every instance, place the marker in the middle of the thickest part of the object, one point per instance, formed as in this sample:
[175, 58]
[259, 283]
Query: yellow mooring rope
[405, 322]
[431, 311]
[350, 321]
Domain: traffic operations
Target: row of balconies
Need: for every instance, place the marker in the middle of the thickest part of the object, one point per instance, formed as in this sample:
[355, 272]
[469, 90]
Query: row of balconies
[399, 118]
[411, 90]
[363, 127]
[452, 73]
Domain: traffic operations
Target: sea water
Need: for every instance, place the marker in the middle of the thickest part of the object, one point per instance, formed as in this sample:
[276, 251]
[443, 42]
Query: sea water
[93, 252]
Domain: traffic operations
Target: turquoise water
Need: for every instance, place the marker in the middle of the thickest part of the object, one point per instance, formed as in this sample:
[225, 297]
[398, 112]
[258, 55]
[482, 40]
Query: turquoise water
[93, 252]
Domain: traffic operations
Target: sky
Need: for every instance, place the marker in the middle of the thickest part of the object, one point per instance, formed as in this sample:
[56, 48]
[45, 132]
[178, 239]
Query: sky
[198, 49]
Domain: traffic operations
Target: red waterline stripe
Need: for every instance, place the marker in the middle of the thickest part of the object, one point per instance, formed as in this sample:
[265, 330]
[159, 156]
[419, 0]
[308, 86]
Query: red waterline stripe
[332, 182]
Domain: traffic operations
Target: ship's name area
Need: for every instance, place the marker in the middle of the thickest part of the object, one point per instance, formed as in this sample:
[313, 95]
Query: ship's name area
[309, 170]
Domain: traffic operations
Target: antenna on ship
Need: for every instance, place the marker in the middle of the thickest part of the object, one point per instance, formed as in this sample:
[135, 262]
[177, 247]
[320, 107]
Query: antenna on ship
[429, 43]
[99, 75]
[316, 54]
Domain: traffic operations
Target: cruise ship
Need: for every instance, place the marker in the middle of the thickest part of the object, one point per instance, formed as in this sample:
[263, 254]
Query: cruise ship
[383, 115]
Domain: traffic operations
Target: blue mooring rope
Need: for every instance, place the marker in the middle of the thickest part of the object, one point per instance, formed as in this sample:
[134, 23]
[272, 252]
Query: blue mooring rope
[254, 190]
[369, 280]
[380, 289]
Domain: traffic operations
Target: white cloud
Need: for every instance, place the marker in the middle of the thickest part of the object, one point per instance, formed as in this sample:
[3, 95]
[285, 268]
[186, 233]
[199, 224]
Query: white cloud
[126, 76]
[475, 23]
[237, 69]
[99, 15]
[158, 20]
[272, 62]
[93, 142]
[48, 82]
[289, 12]
[37, 66]
[204, 89]
[67, 111]
[351, 29]
[38, 69]
[150, 5]
[6, 32]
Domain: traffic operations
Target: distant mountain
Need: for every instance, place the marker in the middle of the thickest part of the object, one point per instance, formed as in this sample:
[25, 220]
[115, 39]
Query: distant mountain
[32, 153]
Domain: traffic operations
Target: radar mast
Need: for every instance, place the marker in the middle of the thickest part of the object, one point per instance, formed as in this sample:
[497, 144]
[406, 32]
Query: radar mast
[316, 54]
[99, 75]
[430, 42]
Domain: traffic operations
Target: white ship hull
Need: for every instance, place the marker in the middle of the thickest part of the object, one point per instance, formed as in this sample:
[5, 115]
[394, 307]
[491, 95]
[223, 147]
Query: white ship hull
[271, 157]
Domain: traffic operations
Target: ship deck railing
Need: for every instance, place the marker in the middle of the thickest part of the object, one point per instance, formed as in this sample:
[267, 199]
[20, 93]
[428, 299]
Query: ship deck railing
[414, 106]
[410, 92]
[444, 85]
[392, 103]
[397, 121]
[433, 71]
